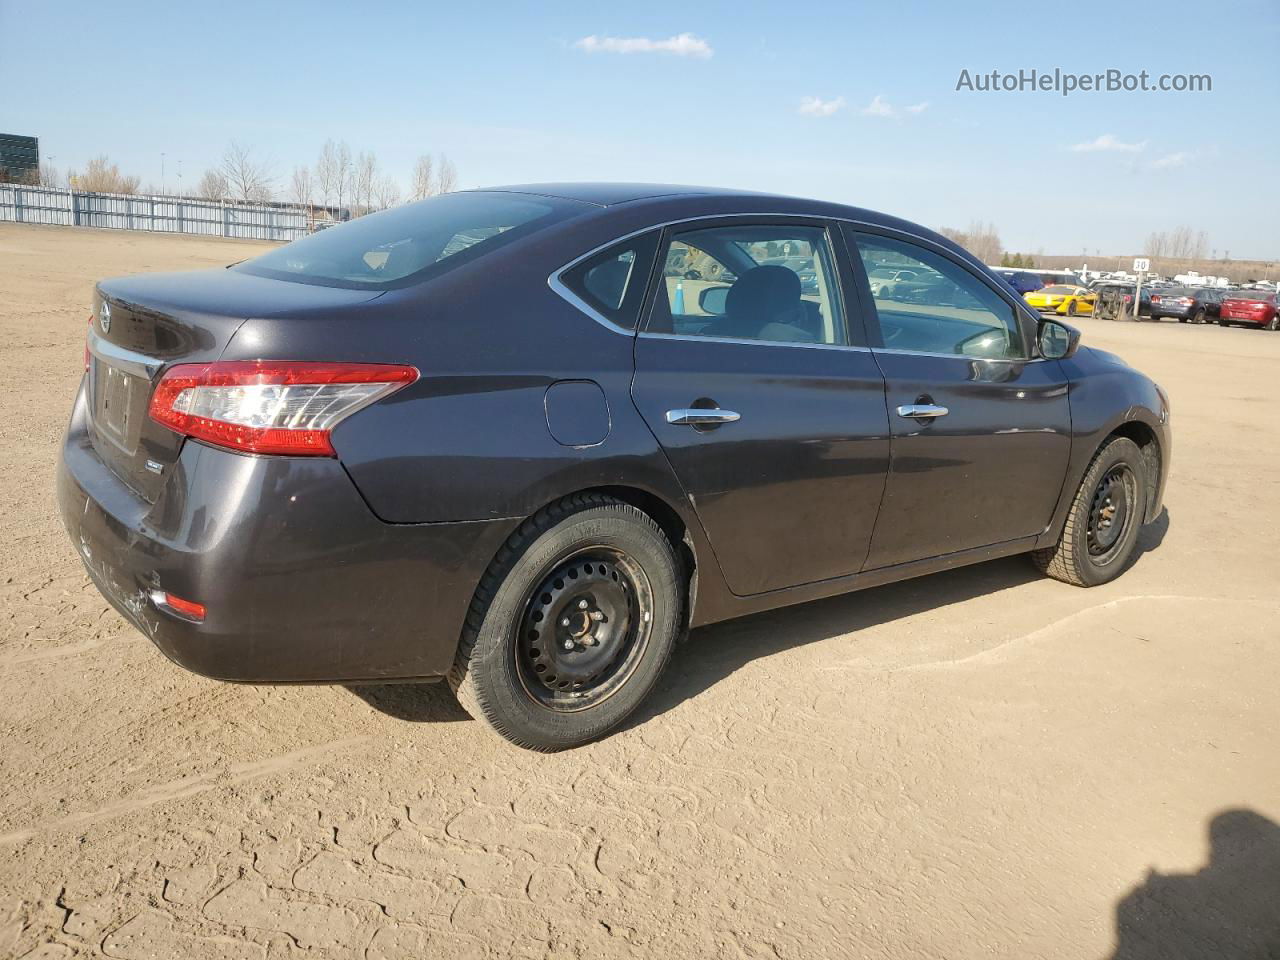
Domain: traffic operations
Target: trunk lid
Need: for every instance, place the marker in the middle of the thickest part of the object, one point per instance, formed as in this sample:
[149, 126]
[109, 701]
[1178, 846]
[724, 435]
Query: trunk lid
[142, 325]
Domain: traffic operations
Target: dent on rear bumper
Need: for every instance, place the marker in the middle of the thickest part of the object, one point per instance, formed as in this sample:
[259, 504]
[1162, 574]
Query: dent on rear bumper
[302, 583]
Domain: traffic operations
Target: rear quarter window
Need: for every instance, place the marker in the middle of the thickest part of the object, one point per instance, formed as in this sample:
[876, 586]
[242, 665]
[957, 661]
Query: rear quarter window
[412, 243]
[612, 283]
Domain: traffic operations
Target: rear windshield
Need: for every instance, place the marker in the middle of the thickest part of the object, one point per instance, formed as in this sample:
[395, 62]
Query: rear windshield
[411, 243]
[1258, 295]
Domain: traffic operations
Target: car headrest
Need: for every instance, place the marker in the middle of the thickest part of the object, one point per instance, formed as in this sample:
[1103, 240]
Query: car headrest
[764, 295]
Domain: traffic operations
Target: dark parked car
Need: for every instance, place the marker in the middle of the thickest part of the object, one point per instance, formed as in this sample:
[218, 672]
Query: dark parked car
[486, 436]
[1250, 308]
[1197, 304]
[1022, 281]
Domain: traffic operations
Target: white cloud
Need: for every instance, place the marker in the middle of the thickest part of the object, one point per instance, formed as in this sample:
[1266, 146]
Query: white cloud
[918, 107]
[878, 108]
[1109, 143]
[1171, 160]
[817, 107]
[681, 45]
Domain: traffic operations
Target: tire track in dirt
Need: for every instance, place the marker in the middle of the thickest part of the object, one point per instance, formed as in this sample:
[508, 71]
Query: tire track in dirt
[184, 788]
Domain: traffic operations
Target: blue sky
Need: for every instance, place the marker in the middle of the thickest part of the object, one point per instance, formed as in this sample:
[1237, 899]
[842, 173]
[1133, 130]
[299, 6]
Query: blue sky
[513, 94]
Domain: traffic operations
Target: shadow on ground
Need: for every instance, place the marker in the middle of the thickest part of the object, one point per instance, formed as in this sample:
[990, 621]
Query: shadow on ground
[1229, 910]
[415, 702]
[709, 654]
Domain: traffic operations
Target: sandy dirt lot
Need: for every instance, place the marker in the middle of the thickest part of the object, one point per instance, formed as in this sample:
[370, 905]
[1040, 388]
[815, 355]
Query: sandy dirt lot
[981, 763]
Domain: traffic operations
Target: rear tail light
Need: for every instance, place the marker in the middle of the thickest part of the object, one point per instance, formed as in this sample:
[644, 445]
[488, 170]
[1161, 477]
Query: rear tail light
[1155, 299]
[1185, 301]
[266, 406]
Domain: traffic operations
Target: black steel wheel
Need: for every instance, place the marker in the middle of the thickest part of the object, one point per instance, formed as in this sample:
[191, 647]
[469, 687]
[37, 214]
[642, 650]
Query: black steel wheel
[1111, 513]
[572, 625]
[1102, 524]
[586, 626]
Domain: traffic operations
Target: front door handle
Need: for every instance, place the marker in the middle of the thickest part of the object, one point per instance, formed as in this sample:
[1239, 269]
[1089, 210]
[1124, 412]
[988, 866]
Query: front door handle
[701, 417]
[925, 411]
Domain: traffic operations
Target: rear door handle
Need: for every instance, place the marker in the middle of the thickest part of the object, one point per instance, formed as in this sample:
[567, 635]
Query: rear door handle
[698, 417]
[926, 411]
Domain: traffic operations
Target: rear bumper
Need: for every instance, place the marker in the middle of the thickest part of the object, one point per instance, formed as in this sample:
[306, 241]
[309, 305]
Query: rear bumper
[301, 582]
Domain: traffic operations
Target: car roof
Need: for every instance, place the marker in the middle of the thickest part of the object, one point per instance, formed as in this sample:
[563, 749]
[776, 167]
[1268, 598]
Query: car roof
[606, 194]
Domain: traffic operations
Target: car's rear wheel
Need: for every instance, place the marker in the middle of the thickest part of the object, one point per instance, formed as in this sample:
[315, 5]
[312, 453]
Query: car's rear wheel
[1102, 524]
[1072, 309]
[1275, 323]
[1198, 317]
[572, 624]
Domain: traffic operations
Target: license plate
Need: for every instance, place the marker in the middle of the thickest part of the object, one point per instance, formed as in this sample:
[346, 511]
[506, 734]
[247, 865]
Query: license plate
[115, 401]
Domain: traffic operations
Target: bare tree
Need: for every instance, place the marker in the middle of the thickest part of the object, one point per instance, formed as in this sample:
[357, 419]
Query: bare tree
[387, 193]
[325, 171]
[248, 178]
[424, 183]
[49, 175]
[364, 182]
[213, 186]
[981, 239]
[333, 173]
[102, 176]
[447, 178]
[301, 187]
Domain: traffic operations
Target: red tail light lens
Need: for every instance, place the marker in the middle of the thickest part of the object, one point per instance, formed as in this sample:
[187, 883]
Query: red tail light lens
[267, 406]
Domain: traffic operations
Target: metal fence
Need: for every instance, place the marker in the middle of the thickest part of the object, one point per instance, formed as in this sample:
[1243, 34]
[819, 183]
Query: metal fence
[74, 208]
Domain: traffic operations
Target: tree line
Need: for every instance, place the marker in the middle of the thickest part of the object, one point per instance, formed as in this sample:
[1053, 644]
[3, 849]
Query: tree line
[350, 184]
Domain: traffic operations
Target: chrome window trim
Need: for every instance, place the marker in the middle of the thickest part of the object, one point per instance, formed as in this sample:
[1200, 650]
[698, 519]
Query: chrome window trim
[556, 283]
[759, 343]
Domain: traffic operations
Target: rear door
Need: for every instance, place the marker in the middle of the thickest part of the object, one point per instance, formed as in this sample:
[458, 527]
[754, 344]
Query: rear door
[768, 405]
[981, 431]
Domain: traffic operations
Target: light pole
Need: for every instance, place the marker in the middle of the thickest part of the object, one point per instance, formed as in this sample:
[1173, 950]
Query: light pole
[162, 172]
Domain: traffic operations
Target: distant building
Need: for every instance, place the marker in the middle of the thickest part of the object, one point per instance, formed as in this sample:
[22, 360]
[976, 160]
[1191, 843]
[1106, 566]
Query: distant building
[19, 159]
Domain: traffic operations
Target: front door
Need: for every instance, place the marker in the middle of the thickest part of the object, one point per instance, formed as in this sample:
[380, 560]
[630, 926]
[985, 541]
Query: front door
[770, 412]
[981, 430]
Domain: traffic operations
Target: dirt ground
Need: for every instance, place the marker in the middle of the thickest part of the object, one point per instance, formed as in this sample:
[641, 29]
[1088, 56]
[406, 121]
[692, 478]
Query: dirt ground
[981, 763]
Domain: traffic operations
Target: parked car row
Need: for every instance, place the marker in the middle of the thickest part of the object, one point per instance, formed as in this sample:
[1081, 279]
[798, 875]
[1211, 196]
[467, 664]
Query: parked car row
[1242, 307]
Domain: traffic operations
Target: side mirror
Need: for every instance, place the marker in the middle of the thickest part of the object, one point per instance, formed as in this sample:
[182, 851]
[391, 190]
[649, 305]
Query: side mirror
[712, 300]
[1057, 341]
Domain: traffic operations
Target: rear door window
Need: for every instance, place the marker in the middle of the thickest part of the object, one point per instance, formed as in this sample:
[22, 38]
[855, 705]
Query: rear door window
[748, 281]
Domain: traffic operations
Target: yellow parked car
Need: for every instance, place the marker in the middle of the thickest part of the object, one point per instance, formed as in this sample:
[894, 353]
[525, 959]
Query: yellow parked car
[1062, 298]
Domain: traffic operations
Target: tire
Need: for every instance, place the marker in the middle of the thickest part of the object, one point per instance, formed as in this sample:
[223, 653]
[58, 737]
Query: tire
[585, 555]
[1199, 317]
[1224, 323]
[1090, 550]
[1072, 310]
[1275, 322]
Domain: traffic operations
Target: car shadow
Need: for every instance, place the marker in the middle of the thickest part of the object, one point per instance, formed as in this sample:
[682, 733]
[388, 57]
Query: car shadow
[709, 654]
[1228, 909]
[415, 702]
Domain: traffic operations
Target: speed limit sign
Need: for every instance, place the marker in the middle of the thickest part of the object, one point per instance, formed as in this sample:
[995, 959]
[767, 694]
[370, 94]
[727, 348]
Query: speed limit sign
[1142, 265]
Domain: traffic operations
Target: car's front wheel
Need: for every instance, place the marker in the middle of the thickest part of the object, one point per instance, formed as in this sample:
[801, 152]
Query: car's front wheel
[1199, 317]
[572, 624]
[1102, 525]
[1275, 323]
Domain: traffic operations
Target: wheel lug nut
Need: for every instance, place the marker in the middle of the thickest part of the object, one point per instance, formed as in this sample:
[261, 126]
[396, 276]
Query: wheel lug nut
[597, 616]
[564, 622]
[582, 604]
[568, 644]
